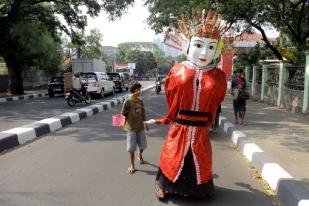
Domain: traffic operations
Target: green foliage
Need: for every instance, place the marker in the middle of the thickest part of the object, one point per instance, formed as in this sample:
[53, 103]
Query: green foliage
[290, 17]
[165, 64]
[181, 58]
[144, 61]
[165, 13]
[157, 53]
[44, 11]
[36, 46]
[286, 46]
[37, 49]
[115, 9]
[252, 57]
[125, 48]
[138, 45]
[49, 55]
[109, 59]
[92, 45]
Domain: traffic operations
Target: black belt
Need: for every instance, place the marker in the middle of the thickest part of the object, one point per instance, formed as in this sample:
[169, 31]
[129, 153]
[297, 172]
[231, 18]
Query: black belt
[191, 123]
[194, 113]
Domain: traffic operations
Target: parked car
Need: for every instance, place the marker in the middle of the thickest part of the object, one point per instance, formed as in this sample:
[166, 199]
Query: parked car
[120, 83]
[56, 86]
[98, 83]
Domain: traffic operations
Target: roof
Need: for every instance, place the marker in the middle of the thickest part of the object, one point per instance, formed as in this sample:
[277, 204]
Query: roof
[249, 40]
[255, 37]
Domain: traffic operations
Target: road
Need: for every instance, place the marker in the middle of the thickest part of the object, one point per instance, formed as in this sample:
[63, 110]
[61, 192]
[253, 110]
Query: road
[19, 113]
[85, 164]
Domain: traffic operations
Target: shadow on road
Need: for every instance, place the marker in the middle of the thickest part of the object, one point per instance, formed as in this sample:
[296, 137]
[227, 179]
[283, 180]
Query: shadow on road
[222, 197]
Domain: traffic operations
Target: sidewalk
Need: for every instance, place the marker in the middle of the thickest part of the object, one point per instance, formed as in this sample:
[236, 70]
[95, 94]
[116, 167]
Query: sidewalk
[29, 94]
[282, 135]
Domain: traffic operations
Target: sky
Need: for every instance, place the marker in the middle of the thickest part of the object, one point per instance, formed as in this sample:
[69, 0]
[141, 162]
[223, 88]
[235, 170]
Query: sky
[131, 27]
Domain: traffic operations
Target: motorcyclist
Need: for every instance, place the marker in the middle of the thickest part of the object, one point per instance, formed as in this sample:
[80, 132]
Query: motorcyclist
[158, 84]
[78, 85]
[76, 82]
[78, 93]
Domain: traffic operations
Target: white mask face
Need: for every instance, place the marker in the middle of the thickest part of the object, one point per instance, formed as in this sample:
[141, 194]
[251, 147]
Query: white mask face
[203, 50]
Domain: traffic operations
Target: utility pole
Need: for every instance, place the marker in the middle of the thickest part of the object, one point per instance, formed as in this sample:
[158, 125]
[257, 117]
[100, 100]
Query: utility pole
[114, 59]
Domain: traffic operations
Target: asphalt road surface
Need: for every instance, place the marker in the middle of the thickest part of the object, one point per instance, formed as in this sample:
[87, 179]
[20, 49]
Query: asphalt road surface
[18, 113]
[85, 165]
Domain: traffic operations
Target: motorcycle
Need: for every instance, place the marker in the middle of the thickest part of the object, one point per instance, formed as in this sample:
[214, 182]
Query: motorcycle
[158, 87]
[75, 96]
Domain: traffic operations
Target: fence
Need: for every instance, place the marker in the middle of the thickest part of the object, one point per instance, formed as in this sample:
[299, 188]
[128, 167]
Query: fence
[35, 79]
[283, 85]
[31, 79]
[4, 78]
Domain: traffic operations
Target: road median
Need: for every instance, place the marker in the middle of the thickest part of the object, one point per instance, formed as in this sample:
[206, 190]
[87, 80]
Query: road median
[27, 133]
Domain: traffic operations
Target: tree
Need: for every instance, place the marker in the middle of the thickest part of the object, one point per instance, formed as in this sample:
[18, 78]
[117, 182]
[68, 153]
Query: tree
[122, 51]
[109, 60]
[181, 58]
[144, 61]
[37, 49]
[125, 47]
[166, 13]
[39, 13]
[165, 64]
[251, 58]
[49, 54]
[291, 17]
[92, 45]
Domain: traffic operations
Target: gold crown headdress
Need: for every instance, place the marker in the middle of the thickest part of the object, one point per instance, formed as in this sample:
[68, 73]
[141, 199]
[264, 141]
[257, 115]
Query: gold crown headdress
[199, 24]
[210, 26]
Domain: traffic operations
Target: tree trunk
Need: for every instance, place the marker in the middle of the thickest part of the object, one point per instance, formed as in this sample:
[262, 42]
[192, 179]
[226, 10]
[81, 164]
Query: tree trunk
[16, 81]
[265, 39]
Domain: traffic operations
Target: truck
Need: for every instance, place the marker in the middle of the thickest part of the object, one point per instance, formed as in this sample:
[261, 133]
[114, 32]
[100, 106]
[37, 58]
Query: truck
[87, 65]
[92, 73]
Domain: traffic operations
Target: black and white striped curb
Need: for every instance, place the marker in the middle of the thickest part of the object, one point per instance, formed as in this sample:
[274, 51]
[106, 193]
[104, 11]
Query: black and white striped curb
[22, 97]
[27, 133]
[289, 191]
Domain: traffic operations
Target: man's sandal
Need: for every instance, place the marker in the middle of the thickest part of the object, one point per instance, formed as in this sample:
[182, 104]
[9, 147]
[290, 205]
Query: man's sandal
[141, 160]
[160, 194]
[131, 170]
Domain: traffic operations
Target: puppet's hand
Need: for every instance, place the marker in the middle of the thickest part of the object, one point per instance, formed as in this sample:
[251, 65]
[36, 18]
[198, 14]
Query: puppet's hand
[151, 121]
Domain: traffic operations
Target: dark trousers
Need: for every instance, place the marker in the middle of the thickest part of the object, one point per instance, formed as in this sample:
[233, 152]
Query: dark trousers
[216, 123]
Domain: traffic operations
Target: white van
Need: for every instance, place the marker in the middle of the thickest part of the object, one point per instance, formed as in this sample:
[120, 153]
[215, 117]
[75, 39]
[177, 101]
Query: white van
[98, 83]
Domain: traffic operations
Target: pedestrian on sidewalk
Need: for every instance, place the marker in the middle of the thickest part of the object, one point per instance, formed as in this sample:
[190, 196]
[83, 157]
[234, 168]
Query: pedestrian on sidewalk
[194, 89]
[134, 111]
[238, 89]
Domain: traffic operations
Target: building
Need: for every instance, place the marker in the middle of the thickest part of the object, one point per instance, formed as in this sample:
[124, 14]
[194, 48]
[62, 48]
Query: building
[169, 49]
[245, 42]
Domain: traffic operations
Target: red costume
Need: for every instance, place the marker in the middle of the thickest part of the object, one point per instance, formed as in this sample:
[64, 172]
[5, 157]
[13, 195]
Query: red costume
[192, 95]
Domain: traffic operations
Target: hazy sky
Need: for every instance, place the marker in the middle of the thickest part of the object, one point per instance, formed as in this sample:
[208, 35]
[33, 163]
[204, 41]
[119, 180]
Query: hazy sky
[131, 26]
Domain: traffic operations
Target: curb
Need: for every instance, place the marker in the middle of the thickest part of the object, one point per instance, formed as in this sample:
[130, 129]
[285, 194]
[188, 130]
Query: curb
[22, 97]
[289, 191]
[27, 133]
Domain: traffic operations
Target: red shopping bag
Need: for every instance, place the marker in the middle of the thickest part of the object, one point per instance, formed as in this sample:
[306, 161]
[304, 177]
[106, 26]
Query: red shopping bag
[118, 120]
